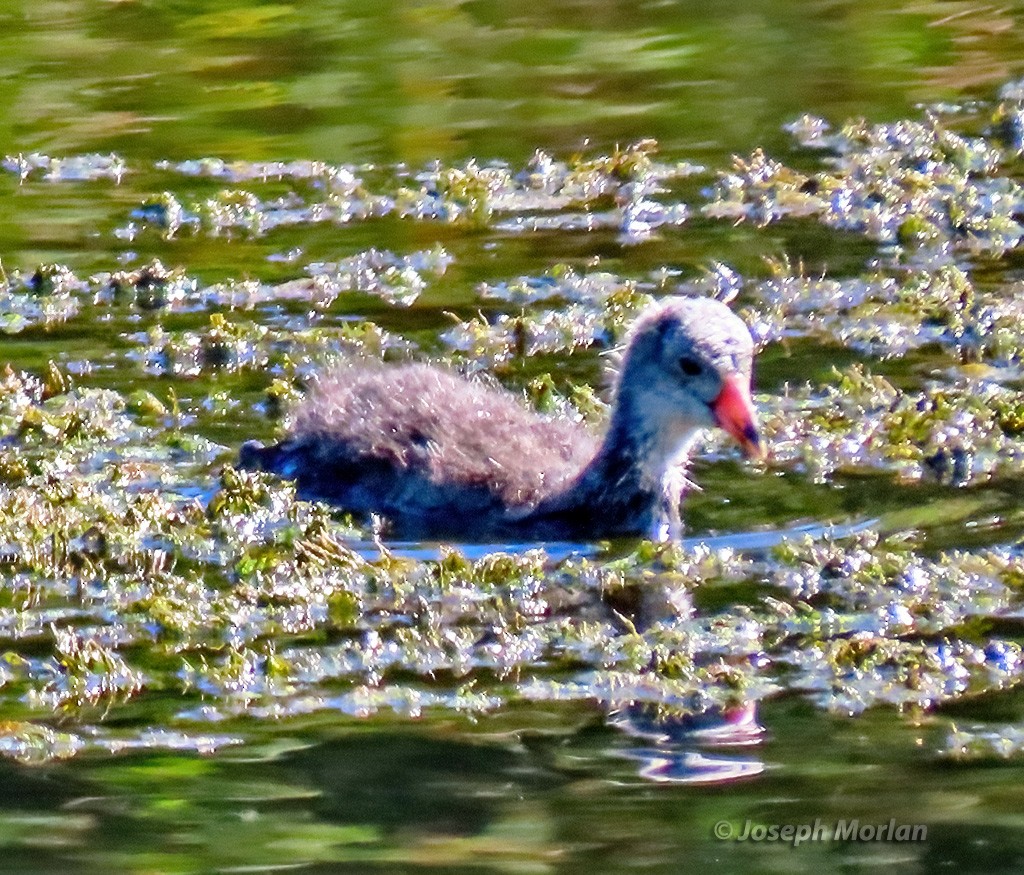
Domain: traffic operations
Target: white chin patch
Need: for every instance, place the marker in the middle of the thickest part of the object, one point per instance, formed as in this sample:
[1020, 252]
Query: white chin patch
[661, 531]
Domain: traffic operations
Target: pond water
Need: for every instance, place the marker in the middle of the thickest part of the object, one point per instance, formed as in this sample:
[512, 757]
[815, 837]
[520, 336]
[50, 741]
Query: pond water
[204, 204]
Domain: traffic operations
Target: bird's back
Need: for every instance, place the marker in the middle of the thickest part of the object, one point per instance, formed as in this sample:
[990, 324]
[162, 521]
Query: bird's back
[431, 451]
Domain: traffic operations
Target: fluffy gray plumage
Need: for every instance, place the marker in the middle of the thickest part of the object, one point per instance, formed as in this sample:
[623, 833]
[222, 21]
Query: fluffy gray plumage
[440, 456]
[451, 430]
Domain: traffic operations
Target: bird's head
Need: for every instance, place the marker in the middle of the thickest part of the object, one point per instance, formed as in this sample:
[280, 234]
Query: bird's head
[686, 367]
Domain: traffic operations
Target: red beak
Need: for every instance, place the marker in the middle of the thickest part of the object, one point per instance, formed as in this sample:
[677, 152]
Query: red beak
[734, 412]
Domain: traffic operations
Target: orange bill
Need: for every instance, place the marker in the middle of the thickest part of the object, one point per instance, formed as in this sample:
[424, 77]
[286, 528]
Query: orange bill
[734, 412]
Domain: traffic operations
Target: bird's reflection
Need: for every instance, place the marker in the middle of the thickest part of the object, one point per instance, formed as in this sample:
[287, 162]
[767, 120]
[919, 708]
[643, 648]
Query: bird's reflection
[686, 748]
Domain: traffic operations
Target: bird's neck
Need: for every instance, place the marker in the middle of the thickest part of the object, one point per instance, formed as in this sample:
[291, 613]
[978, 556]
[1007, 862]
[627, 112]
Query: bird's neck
[639, 470]
[648, 437]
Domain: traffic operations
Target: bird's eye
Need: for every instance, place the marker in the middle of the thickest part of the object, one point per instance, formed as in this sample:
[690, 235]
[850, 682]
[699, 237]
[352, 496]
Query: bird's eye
[690, 366]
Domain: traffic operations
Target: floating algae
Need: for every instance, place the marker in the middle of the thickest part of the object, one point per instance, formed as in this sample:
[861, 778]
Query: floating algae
[139, 564]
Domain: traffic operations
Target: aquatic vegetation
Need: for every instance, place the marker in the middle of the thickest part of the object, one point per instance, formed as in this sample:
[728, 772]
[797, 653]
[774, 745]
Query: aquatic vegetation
[508, 337]
[984, 743]
[956, 433]
[906, 185]
[52, 294]
[890, 313]
[151, 287]
[140, 566]
[563, 283]
[233, 346]
[70, 169]
[546, 194]
[249, 602]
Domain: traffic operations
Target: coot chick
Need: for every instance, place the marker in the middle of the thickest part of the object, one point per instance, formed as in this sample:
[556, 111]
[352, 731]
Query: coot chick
[442, 457]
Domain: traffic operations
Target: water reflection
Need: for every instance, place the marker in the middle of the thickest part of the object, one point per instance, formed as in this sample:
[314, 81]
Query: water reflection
[676, 751]
[440, 80]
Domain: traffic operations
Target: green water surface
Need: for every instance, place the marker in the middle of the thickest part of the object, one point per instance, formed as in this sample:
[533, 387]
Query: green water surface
[389, 86]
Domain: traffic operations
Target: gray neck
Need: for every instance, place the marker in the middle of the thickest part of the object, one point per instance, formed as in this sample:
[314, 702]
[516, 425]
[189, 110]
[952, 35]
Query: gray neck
[636, 479]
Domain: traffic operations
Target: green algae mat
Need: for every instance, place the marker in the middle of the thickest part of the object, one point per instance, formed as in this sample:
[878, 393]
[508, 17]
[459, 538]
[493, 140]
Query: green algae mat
[204, 206]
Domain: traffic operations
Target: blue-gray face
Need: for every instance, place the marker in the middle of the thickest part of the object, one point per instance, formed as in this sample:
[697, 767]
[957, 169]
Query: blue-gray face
[695, 345]
[687, 367]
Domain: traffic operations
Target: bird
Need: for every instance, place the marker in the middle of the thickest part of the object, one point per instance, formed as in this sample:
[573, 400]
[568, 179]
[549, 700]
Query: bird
[438, 456]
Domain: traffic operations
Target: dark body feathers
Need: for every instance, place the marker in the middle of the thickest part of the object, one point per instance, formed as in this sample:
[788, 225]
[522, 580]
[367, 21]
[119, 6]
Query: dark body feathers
[435, 454]
[440, 456]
